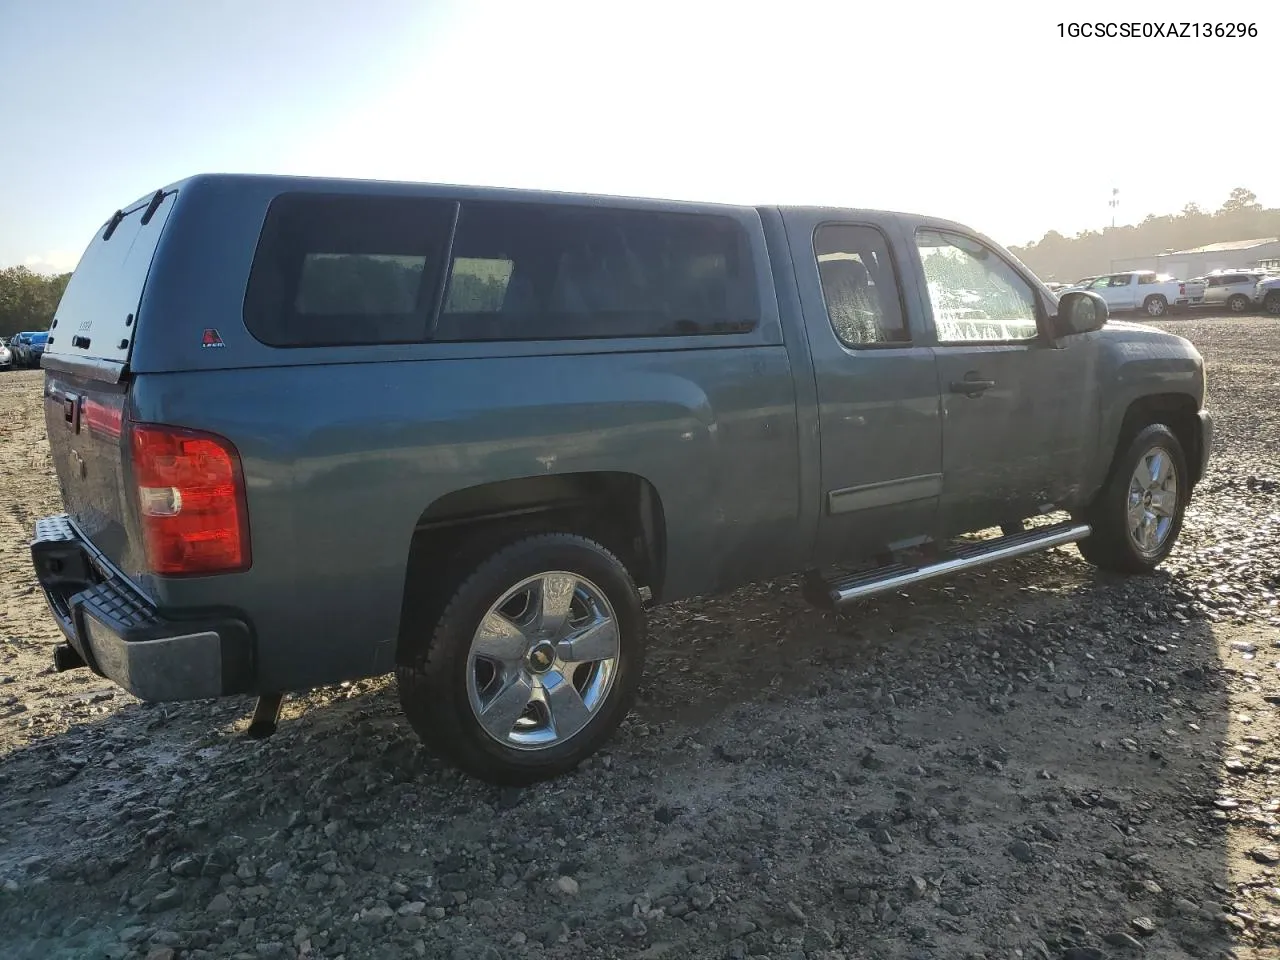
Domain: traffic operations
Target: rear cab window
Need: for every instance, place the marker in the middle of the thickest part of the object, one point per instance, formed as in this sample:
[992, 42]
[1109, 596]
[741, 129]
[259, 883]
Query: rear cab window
[860, 286]
[353, 270]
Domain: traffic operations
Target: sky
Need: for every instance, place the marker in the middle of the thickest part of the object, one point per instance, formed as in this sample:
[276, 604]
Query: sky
[973, 110]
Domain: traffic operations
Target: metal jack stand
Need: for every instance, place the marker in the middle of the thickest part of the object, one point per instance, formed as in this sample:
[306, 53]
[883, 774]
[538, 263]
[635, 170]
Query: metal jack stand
[266, 716]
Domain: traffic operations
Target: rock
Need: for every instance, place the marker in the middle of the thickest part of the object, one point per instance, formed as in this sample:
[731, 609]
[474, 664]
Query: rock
[1119, 939]
[794, 913]
[186, 867]
[696, 875]
[871, 762]
[219, 904]
[565, 887]
[160, 953]
[1074, 692]
[1084, 953]
[1021, 851]
[270, 950]
[376, 915]
[166, 899]
[1266, 855]
[1186, 907]
[741, 927]
[1144, 926]
[700, 897]
[633, 927]
[277, 871]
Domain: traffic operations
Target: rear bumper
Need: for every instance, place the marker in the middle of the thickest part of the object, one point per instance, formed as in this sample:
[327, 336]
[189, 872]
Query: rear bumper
[121, 634]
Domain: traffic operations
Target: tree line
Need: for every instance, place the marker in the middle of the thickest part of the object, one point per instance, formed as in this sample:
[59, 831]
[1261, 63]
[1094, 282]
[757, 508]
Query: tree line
[28, 299]
[1241, 217]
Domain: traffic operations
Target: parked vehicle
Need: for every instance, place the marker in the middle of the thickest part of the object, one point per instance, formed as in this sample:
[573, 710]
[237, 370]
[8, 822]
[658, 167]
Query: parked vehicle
[1233, 290]
[312, 430]
[6, 356]
[15, 346]
[1152, 293]
[1266, 294]
[27, 348]
[33, 348]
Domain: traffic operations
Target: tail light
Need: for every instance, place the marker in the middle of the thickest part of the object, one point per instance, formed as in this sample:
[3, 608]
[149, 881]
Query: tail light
[190, 491]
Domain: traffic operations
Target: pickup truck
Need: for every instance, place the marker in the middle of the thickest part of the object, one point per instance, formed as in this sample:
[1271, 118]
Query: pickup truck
[312, 430]
[1266, 294]
[1152, 293]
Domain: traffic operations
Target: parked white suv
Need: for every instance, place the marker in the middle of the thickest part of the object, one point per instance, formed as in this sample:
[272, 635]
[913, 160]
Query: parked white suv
[1234, 289]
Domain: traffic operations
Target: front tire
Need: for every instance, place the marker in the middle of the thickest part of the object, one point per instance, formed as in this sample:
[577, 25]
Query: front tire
[1272, 303]
[533, 663]
[1137, 515]
[1155, 306]
[1238, 303]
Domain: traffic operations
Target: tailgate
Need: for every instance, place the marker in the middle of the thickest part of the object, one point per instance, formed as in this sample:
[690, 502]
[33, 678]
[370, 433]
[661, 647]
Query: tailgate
[86, 386]
[95, 324]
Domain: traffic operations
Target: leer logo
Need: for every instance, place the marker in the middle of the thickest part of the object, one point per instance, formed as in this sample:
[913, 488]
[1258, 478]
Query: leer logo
[212, 338]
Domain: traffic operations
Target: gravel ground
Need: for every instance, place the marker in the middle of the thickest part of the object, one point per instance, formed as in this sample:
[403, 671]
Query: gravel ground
[1035, 761]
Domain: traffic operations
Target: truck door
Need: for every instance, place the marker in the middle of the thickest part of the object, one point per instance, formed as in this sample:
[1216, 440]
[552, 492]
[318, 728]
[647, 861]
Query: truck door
[1122, 292]
[1019, 411]
[877, 388]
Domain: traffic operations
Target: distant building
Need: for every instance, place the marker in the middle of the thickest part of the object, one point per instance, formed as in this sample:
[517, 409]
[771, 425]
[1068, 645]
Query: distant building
[1263, 253]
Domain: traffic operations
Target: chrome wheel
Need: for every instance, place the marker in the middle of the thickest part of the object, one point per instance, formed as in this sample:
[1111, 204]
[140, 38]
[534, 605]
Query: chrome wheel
[1238, 304]
[1155, 307]
[543, 660]
[1153, 501]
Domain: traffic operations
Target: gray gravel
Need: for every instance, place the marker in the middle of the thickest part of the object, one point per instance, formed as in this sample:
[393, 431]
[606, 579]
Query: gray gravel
[1035, 761]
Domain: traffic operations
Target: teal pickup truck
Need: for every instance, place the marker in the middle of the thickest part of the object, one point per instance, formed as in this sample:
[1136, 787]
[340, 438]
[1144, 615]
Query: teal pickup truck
[313, 430]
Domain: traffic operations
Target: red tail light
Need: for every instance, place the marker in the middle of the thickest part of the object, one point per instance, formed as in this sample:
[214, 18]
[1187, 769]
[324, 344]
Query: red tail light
[190, 494]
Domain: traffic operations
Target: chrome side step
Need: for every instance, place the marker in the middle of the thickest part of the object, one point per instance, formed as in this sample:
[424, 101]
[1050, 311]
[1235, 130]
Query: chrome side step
[884, 579]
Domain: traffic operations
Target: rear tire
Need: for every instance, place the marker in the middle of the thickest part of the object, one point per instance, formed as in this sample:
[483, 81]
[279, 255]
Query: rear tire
[1238, 303]
[1155, 306]
[1137, 515]
[508, 686]
[1272, 303]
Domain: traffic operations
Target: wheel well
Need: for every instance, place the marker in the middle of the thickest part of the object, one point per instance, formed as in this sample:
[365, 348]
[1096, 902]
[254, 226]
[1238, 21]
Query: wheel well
[621, 511]
[1178, 412]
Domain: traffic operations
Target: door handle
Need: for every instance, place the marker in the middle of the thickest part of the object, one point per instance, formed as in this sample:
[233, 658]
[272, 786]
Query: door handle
[971, 388]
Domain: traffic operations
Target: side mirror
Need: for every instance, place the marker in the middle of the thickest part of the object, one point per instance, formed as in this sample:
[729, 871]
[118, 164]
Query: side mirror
[1080, 311]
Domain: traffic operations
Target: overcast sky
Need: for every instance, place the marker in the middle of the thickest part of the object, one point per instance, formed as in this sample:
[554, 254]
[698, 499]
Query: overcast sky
[972, 110]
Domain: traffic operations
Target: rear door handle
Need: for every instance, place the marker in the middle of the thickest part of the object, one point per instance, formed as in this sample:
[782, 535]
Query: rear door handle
[971, 388]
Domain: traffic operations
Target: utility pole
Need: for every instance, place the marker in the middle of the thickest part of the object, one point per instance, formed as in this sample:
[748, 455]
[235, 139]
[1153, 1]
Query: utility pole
[1114, 202]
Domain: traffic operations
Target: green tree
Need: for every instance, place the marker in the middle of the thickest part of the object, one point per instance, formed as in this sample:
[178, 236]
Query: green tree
[28, 300]
[1241, 199]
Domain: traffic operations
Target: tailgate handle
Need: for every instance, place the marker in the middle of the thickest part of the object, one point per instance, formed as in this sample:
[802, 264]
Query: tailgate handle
[81, 342]
[71, 410]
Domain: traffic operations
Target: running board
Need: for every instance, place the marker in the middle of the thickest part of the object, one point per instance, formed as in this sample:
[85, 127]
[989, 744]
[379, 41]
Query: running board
[884, 579]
